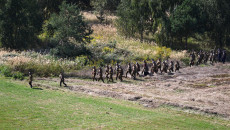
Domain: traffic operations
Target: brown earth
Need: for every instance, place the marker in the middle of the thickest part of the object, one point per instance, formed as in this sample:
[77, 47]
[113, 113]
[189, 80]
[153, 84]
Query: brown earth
[203, 89]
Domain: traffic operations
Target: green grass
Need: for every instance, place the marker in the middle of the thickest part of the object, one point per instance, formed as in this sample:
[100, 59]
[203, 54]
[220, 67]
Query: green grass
[25, 108]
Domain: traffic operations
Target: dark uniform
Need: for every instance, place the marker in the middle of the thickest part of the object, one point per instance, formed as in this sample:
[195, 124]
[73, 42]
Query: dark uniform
[215, 57]
[116, 70]
[94, 73]
[206, 57]
[30, 79]
[200, 57]
[120, 73]
[164, 67]
[107, 72]
[62, 79]
[145, 69]
[177, 66]
[129, 70]
[159, 64]
[134, 71]
[100, 73]
[212, 57]
[110, 73]
[224, 56]
[219, 53]
[138, 68]
[154, 68]
[171, 67]
[192, 59]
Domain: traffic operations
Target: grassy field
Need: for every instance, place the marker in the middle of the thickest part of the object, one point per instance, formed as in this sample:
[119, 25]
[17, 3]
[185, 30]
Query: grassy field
[25, 108]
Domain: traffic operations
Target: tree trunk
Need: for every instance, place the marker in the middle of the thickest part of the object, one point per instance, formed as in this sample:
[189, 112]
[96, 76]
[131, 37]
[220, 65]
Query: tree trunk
[142, 36]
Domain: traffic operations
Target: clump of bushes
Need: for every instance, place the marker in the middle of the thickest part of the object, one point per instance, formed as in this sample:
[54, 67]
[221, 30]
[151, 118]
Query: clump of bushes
[9, 72]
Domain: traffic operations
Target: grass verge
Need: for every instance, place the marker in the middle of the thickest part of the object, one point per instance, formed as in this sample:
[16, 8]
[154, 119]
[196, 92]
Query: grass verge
[25, 108]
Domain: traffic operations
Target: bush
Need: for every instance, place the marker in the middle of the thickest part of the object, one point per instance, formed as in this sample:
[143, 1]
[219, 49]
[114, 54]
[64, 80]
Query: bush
[18, 75]
[185, 61]
[6, 71]
[163, 52]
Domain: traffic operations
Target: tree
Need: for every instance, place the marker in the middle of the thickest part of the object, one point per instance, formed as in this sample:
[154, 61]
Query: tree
[134, 17]
[217, 25]
[186, 20]
[70, 31]
[20, 23]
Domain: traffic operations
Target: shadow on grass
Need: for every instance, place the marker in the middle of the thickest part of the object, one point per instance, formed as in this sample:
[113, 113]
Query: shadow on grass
[37, 88]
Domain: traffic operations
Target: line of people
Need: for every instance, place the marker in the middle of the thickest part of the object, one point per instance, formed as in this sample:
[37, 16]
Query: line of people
[134, 70]
[203, 57]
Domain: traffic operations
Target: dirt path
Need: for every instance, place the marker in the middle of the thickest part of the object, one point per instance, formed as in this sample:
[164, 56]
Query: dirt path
[205, 89]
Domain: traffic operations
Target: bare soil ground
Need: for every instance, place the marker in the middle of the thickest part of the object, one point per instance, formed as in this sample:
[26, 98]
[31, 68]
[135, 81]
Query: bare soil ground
[203, 89]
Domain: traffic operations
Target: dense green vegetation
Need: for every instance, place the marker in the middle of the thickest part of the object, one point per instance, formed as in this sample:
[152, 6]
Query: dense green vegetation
[175, 21]
[25, 108]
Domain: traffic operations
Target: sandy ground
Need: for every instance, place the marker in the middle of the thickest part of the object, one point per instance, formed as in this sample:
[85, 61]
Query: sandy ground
[203, 89]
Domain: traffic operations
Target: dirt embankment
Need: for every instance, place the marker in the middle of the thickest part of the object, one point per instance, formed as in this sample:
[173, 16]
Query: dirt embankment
[205, 89]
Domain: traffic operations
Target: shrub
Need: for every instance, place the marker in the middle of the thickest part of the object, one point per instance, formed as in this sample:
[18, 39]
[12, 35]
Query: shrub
[18, 75]
[6, 71]
[163, 52]
[185, 60]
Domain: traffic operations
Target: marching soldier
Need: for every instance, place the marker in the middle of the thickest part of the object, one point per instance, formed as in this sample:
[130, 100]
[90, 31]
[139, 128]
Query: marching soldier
[138, 68]
[94, 73]
[212, 57]
[111, 73]
[215, 57]
[134, 72]
[224, 56]
[116, 70]
[145, 69]
[177, 66]
[120, 73]
[100, 73]
[171, 66]
[164, 67]
[206, 56]
[200, 57]
[219, 53]
[30, 79]
[154, 68]
[107, 72]
[129, 70]
[159, 64]
[62, 79]
[192, 59]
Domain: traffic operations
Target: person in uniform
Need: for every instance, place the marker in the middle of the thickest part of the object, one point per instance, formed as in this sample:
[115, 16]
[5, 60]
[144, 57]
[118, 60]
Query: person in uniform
[164, 67]
[192, 59]
[120, 73]
[159, 64]
[129, 70]
[206, 57]
[107, 72]
[62, 79]
[134, 71]
[100, 73]
[177, 66]
[200, 58]
[171, 66]
[111, 73]
[30, 80]
[219, 53]
[94, 73]
[154, 68]
[212, 57]
[138, 68]
[116, 70]
[224, 56]
[145, 69]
